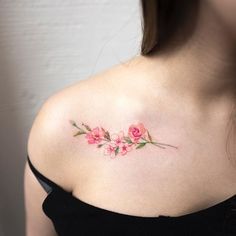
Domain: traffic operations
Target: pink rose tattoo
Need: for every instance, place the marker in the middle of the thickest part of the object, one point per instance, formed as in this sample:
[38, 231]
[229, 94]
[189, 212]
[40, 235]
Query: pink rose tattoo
[118, 143]
[136, 132]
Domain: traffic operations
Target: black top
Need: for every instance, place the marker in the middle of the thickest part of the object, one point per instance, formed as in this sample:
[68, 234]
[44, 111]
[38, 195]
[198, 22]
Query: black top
[73, 217]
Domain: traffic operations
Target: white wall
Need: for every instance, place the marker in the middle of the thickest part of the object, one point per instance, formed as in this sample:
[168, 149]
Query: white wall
[46, 45]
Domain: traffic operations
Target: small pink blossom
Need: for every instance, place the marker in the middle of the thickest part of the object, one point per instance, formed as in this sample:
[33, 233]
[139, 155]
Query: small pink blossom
[125, 148]
[109, 149]
[95, 135]
[137, 131]
[118, 139]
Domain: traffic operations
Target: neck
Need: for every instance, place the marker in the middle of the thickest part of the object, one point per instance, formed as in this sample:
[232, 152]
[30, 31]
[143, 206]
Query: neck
[204, 68]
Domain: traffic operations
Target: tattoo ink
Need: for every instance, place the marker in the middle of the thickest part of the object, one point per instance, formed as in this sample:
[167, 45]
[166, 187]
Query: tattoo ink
[118, 144]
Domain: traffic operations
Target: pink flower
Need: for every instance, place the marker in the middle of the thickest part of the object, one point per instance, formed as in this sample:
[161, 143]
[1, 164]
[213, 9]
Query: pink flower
[109, 149]
[95, 135]
[125, 148]
[117, 143]
[118, 139]
[137, 131]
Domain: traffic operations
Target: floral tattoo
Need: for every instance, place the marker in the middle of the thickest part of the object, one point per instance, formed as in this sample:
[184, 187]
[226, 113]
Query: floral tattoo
[118, 143]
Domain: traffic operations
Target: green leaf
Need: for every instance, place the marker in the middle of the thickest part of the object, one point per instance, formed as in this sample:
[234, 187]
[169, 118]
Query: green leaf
[87, 127]
[79, 133]
[117, 150]
[99, 145]
[127, 139]
[149, 136]
[72, 122]
[107, 135]
[141, 145]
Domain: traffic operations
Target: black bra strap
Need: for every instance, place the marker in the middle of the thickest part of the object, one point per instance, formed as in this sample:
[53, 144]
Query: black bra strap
[46, 183]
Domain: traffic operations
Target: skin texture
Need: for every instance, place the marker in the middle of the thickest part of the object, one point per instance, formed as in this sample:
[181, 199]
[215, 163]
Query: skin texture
[184, 99]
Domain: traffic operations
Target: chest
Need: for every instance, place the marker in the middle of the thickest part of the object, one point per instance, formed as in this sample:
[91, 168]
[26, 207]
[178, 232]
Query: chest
[151, 180]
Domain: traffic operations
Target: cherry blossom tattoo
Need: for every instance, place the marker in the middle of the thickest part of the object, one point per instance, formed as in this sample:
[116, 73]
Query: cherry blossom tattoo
[118, 143]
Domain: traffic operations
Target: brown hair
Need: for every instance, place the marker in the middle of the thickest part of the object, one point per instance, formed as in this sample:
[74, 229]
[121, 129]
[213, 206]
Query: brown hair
[164, 23]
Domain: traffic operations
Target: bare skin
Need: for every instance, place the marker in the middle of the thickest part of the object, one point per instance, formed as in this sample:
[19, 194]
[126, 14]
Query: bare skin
[152, 181]
[184, 100]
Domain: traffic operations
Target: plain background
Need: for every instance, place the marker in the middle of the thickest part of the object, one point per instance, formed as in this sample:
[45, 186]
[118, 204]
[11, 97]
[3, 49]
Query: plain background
[46, 45]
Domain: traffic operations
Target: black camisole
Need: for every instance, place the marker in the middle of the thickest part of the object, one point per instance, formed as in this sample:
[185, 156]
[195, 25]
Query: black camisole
[73, 217]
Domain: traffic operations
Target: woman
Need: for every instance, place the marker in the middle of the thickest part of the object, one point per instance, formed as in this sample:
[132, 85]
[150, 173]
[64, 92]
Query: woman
[146, 147]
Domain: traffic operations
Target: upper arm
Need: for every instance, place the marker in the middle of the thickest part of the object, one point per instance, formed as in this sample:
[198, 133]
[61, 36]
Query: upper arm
[51, 148]
[45, 147]
[37, 223]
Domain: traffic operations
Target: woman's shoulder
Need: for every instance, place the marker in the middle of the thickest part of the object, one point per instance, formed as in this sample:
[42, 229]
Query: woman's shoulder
[51, 144]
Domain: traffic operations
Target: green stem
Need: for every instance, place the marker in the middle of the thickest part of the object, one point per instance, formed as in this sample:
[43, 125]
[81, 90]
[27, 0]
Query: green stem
[154, 144]
[158, 144]
[105, 142]
[164, 144]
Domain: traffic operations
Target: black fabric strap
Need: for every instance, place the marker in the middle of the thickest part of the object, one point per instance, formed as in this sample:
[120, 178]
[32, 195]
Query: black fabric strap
[46, 183]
